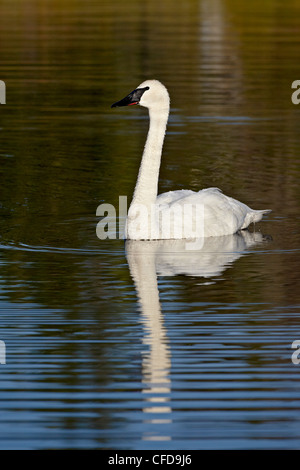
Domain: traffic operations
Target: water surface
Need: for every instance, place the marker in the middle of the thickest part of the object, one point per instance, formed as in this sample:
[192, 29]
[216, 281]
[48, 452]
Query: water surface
[148, 345]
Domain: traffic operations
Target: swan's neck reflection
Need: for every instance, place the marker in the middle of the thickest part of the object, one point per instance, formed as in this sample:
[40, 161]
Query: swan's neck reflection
[156, 361]
[170, 257]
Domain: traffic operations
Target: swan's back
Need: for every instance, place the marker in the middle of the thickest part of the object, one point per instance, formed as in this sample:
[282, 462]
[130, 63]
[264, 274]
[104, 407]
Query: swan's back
[220, 215]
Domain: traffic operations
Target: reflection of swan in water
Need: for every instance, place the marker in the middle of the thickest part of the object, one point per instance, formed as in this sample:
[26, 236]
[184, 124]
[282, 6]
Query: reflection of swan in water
[146, 259]
[179, 214]
[172, 257]
[156, 364]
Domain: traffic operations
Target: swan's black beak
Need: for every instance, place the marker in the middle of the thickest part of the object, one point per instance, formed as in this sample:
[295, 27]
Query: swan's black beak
[133, 98]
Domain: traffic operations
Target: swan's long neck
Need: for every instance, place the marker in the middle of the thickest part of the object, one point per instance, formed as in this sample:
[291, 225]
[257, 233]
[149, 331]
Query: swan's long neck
[146, 187]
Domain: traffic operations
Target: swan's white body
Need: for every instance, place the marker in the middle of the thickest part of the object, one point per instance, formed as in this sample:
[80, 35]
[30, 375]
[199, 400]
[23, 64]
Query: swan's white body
[180, 214]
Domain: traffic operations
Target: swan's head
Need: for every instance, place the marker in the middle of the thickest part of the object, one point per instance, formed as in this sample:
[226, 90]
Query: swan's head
[152, 94]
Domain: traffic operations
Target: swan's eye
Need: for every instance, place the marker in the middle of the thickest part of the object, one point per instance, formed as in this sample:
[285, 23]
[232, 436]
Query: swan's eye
[138, 93]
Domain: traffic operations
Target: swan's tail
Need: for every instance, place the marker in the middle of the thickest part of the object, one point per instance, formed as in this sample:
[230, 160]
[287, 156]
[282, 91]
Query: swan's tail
[255, 216]
[258, 215]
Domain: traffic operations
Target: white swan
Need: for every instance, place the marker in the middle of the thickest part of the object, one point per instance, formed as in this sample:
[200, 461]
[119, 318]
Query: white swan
[182, 214]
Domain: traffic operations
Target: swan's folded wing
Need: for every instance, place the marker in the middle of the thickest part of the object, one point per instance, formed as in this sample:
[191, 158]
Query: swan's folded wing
[222, 215]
